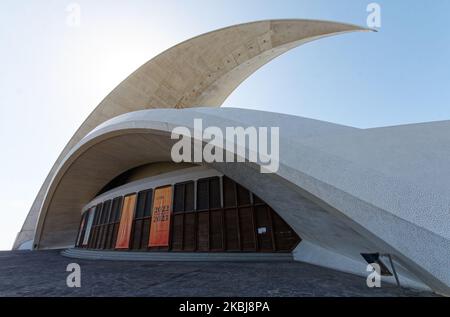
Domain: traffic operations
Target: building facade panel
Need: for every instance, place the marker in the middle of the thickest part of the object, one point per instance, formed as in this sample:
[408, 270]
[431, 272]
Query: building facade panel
[245, 224]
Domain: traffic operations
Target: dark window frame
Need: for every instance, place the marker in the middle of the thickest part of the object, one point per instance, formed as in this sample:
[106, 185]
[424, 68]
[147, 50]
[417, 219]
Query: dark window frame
[183, 185]
[140, 220]
[231, 210]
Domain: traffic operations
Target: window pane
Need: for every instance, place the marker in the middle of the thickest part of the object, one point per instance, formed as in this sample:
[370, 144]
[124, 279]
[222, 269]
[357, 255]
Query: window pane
[189, 232]
[263, 225]
[89, 220]
[110, 214]
[98, 212]
[109, 236]
[285, 238]
[101, 210]
[231, 229]
[246, 225]
[189, 196]
[216, 227]
[145, 233]
[81, 231]
[257, 200]
[214, 193]
[137, 231]
[229, 193]
[177, 232]
[178, 204]
[243, 195]
[203, 231]
[148, 203]
[140, 205]
[117, 202]
[202, 194]
[108, 211]
[105, 209]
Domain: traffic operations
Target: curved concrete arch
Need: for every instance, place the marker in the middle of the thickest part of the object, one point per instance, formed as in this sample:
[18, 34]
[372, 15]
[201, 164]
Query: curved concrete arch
[320, 206]
[202, 71]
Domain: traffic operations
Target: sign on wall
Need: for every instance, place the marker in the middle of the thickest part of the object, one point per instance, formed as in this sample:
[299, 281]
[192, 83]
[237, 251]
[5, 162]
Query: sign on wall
[161, 212]
[126, 221]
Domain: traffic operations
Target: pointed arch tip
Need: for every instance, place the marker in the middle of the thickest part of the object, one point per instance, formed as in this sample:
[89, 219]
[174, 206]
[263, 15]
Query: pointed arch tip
[369, 30]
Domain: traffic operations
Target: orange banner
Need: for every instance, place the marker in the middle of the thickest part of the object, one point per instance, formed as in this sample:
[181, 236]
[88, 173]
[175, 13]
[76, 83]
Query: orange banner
[161, 212]
[126, 221]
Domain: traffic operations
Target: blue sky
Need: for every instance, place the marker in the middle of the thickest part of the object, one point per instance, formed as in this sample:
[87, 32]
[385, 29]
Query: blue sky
[53, 75]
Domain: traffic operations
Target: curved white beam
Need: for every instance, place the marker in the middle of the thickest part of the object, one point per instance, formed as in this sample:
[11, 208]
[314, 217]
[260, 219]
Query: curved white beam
[202, 71]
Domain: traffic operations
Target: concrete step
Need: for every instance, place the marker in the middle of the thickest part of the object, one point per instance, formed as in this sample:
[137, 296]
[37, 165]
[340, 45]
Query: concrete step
[176, 256]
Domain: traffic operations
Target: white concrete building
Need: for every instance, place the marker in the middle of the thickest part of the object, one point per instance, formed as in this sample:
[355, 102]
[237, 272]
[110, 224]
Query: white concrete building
[339, 191]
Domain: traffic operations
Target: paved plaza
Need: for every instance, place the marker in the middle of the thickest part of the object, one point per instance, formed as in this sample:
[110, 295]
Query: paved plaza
[43, 273]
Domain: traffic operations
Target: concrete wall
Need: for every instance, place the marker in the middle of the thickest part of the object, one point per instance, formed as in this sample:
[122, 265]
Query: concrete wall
[153, 169]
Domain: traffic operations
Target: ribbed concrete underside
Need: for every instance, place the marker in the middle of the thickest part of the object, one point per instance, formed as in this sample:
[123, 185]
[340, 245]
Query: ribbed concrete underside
[175, 256]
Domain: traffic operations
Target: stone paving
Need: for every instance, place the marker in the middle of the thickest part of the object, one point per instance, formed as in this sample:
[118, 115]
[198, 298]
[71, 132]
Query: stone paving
[43, 273]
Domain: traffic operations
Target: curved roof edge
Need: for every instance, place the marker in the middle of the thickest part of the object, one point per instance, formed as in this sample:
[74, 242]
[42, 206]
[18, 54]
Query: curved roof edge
[202, 71]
